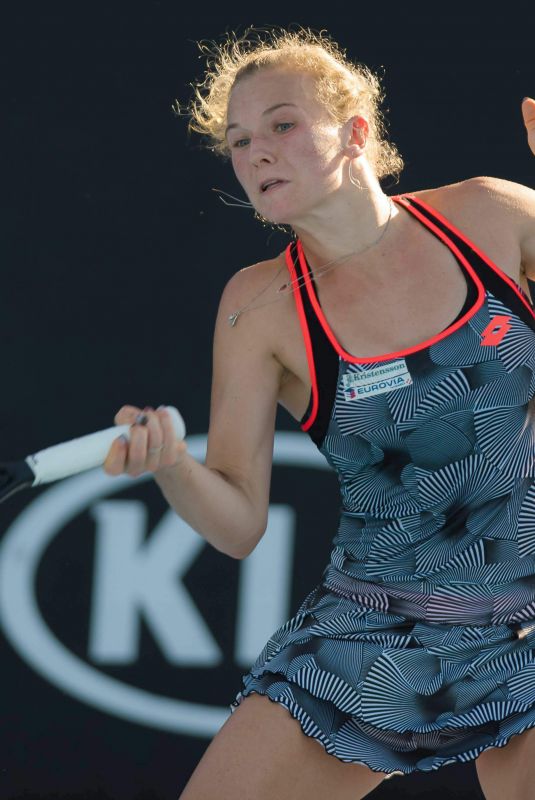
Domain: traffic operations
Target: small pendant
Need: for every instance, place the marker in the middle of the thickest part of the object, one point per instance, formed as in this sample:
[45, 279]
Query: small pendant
[233, 318]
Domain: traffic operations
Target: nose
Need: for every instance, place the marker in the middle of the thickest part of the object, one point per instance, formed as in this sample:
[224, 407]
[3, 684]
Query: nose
[259, 152]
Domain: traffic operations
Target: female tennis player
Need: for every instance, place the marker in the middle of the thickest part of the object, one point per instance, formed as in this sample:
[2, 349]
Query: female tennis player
[396, 331]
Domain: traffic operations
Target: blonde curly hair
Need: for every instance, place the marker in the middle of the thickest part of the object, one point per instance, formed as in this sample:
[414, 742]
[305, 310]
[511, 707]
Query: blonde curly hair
[345, 88]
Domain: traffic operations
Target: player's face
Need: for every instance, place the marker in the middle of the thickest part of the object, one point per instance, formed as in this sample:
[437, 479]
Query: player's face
[279, 131]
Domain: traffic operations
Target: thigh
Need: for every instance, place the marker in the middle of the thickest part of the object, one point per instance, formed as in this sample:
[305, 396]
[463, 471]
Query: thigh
[261, 753]
[509, 771]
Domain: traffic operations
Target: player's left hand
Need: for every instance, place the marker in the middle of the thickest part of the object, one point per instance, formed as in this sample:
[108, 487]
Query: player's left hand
[528, 112]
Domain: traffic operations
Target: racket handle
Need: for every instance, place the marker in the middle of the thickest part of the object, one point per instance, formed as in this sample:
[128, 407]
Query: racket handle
[86, 452]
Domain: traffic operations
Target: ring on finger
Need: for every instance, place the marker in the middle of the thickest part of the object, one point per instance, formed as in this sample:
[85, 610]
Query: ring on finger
[152, 450]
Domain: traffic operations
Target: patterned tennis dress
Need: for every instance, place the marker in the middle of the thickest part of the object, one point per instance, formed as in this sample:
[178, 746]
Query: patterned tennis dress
[416, 649]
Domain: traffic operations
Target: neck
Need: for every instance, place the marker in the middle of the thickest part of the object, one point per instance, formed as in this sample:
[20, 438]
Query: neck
[348, 221]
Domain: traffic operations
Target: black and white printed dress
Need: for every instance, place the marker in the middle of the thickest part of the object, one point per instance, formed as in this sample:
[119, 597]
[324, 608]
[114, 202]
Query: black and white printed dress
[416, 649]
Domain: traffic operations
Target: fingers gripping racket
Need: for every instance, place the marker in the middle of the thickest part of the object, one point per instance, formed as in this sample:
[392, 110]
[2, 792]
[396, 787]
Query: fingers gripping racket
[68, 458]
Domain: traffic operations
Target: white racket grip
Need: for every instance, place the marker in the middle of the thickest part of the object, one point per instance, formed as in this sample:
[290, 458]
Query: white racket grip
[86, 452]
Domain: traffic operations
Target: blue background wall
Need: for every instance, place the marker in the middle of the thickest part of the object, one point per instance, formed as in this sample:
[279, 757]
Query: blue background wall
[114, 252]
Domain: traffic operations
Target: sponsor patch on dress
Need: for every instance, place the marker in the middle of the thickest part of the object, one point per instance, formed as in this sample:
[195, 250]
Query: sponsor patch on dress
[376, 381]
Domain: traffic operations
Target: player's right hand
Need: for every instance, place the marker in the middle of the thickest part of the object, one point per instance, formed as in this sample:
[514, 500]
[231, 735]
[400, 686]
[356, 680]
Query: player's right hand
[153, 444]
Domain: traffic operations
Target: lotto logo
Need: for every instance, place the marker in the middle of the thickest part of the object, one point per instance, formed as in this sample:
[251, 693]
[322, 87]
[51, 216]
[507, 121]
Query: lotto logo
[496, 330]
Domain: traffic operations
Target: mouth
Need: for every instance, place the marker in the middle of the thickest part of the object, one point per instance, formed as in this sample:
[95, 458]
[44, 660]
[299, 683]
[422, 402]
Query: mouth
[270, 184]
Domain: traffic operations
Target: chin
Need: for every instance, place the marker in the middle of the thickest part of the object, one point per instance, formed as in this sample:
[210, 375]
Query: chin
[295, 214]
[272, 218]
[279, 221]
[283, 215]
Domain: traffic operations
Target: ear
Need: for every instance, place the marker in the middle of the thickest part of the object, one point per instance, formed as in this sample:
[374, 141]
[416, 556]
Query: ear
[358, 135]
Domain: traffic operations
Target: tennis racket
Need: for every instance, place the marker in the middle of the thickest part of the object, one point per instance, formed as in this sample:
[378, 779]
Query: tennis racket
[68, 458]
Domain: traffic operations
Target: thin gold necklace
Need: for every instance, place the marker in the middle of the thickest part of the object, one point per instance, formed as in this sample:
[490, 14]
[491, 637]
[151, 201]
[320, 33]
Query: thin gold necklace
[292, 286]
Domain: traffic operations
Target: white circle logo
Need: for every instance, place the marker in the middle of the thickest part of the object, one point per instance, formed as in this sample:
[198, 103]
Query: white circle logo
[22, 549]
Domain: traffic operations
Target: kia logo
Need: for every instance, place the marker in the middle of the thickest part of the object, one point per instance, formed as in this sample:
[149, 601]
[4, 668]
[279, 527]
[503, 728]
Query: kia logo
[136, 575]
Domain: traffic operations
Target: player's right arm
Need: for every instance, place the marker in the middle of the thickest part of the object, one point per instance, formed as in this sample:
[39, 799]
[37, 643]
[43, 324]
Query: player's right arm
[226, 499]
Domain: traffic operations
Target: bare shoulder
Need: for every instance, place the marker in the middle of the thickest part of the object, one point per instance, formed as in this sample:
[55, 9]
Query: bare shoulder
[498, 197]
[255, 319]
[266, 331]
[497, 214]
[253, 288]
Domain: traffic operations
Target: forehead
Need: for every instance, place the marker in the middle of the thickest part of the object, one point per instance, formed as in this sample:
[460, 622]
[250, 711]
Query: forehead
[253, 93]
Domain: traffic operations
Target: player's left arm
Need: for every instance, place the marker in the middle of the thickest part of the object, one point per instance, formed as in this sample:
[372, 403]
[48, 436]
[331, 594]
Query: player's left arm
[510, 207]
[527, 240]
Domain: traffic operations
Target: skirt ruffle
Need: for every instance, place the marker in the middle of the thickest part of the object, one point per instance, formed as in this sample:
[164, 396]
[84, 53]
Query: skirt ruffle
[378, 689]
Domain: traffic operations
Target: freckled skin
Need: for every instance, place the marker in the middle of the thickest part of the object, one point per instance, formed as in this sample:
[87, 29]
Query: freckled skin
[307, 154]
[226, 499]
[302, 144]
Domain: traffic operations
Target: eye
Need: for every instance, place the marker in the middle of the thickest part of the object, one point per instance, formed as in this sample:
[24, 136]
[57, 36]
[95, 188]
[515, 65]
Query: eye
[240, 143]
[285, 126]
